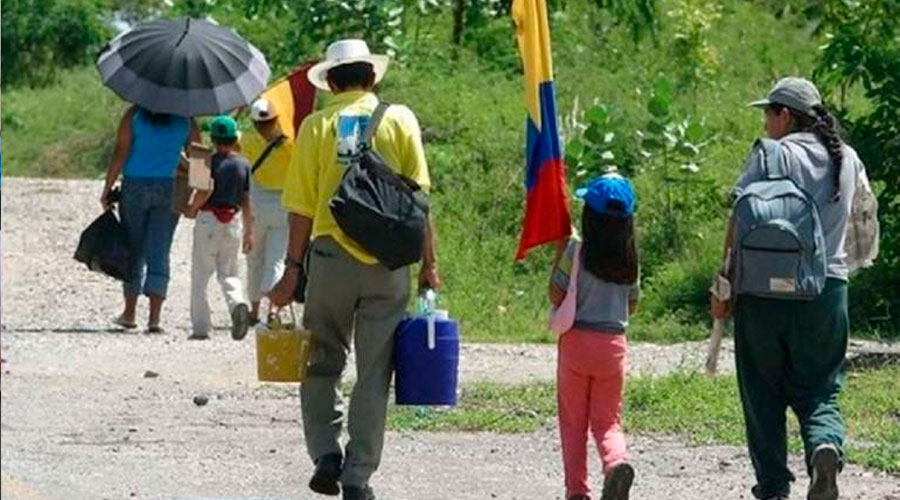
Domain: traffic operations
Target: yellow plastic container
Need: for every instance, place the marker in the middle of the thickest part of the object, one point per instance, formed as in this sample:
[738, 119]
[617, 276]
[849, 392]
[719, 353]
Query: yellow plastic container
[282, 351]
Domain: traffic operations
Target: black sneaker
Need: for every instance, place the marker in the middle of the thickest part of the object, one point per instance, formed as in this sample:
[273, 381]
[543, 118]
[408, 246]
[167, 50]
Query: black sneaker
[824, 465]
[328, 471]
[618, 483]
[783, 495]
[358, 493]
[240, 321]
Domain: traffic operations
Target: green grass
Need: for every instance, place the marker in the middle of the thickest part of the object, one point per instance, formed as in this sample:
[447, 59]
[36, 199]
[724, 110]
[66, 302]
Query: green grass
[702, 410]
[484, 407]
[65, 131]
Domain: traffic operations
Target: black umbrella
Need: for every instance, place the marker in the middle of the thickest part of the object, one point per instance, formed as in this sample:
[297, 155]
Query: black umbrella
[185, 67]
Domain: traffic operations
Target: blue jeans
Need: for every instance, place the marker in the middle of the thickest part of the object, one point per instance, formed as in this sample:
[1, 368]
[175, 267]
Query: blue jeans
[146, 212]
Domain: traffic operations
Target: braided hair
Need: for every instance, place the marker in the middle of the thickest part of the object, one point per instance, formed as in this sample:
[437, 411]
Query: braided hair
[827, 130]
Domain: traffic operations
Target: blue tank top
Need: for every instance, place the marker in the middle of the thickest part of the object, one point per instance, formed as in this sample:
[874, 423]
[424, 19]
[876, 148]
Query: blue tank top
[155, 148]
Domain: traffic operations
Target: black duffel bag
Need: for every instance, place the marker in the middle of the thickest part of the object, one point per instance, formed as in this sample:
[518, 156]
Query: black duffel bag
[103, 247]
[381, 210]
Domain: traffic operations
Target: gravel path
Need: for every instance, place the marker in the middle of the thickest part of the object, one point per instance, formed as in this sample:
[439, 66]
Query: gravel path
[81, 419]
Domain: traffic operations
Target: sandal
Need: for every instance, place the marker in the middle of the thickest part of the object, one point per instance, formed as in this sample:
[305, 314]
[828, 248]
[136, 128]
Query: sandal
[155, 329]
[119, 321]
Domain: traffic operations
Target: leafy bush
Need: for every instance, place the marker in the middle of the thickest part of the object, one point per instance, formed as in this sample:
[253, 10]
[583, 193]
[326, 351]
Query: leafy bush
[863, 49]
[41, 37]
[641, 16]
[691, 22]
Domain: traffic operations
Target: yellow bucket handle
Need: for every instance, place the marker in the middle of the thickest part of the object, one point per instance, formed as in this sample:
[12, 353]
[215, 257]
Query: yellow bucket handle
[279, 324]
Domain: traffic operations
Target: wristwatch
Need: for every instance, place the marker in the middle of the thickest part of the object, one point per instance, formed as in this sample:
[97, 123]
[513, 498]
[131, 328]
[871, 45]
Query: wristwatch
[289, 262]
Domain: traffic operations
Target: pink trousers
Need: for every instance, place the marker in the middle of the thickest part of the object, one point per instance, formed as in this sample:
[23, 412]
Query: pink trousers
[590, 378]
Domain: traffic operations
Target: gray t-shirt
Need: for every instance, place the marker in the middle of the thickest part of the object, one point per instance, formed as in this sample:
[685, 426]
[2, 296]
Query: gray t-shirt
[601, 305]
[808, 164]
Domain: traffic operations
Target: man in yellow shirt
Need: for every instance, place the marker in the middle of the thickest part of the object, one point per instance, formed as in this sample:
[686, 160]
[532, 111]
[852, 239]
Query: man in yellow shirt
[270, 156]
[350, 296]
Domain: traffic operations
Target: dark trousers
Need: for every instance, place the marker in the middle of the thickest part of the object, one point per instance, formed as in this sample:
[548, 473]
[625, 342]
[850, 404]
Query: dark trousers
[790, 353]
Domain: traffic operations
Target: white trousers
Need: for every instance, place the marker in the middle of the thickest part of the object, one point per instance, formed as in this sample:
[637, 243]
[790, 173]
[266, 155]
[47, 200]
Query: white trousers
[217, 247]
[265, 262]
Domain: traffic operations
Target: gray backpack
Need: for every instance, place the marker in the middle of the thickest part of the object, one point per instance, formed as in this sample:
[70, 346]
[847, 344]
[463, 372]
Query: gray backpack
[779, 245]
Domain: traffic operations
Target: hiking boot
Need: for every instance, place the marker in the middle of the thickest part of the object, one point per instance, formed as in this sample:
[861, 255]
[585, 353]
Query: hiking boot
[824, 466]
[240, 321]
[358, 493]
[618, 483]
[783, 495]
[328, 471]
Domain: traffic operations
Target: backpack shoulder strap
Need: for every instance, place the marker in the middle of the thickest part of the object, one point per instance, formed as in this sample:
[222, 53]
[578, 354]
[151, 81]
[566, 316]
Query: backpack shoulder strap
[373, 123]
[772, 158]
[265, 154]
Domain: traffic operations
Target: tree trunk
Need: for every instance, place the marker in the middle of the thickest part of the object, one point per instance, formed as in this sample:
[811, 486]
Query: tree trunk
[459, 21]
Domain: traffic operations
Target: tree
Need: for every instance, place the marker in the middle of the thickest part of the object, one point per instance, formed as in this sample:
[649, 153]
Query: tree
[864, 49]
[40, 37]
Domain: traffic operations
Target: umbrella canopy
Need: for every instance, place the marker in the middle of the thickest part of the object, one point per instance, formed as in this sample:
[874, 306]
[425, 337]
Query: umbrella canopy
[185, 67]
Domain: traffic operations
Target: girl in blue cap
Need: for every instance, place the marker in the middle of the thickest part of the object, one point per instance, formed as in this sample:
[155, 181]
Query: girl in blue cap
[594, 289]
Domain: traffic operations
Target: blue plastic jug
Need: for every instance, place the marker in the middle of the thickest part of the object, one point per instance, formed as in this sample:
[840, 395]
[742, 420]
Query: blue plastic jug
[426, 374]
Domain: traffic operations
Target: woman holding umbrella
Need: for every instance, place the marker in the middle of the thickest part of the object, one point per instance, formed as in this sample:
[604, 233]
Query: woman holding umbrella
[147, 149]
[171, 70]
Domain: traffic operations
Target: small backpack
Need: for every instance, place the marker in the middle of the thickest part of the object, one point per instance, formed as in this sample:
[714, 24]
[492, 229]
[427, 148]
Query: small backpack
[382, 211]
[863, 229]
[779, 245]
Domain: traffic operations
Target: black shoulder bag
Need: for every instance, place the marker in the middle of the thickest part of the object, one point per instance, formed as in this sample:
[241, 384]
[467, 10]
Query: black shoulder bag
[381, 210]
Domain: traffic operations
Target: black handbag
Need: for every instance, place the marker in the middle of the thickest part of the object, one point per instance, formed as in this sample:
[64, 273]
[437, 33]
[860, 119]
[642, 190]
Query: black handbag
[104, 248]
[382, 211]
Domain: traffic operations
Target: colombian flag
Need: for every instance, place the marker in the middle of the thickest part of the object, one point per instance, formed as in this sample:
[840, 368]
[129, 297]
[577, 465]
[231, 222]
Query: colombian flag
[547, 203]
[294, 98]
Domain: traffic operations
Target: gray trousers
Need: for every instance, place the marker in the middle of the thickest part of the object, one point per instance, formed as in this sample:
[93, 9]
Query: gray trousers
[346, 299]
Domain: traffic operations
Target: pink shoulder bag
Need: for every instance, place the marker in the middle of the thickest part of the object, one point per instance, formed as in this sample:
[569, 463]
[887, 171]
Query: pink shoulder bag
[563, 317]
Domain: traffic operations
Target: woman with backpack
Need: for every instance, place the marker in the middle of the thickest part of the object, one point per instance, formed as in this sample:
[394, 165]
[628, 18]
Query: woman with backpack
[788, 268]
[148, 147]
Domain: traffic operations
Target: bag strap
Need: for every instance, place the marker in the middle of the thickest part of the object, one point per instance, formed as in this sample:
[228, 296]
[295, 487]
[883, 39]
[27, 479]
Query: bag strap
[573, 274]
[773, 160]
[372, 126]
[265, 154]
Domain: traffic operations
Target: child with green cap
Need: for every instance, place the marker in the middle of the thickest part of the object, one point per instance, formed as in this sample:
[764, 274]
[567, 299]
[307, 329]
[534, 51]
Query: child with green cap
[219, 234]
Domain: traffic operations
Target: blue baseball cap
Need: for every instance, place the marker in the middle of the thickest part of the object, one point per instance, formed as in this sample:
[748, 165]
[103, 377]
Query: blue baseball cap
[607, 188]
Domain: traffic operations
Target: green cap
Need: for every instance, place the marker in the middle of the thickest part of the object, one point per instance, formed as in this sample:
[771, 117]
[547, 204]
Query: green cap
[223, 128]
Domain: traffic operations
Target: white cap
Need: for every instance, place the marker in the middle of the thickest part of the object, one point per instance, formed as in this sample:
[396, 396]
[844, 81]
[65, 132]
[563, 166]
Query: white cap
[263, 111]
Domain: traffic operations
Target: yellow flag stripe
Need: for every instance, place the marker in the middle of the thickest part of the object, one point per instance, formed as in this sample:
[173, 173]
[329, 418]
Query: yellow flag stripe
[281, 97]
[533, 36]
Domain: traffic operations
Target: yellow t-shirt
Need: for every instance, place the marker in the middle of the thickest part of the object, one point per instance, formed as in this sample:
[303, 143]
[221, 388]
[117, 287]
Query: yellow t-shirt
[271, 174]
[315, 171]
